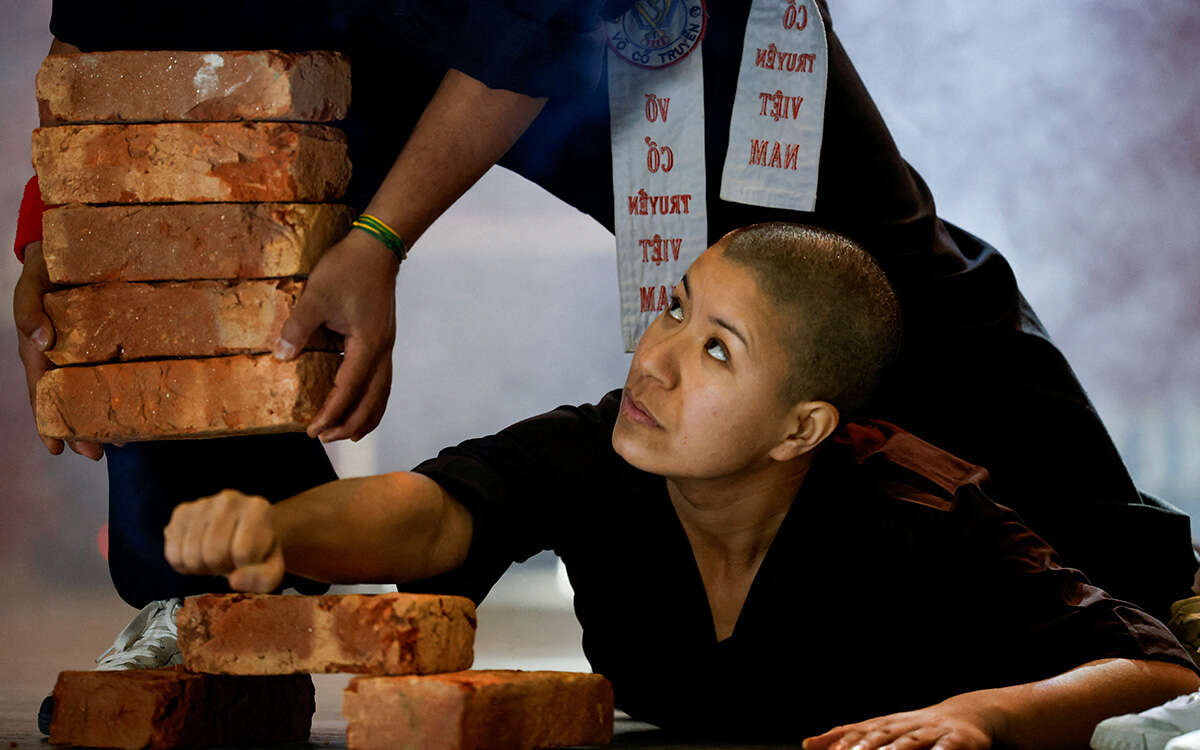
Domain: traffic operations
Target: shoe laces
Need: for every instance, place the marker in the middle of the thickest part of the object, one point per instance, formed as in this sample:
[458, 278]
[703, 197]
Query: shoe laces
[149, 641]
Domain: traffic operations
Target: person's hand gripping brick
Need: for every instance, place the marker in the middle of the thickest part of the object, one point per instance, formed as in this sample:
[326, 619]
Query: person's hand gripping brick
[352, 292]
[228, 534]
[352, 289]
[35, 336]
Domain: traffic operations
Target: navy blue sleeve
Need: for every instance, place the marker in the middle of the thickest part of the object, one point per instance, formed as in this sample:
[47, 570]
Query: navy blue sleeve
[523, 488]
[534, 47]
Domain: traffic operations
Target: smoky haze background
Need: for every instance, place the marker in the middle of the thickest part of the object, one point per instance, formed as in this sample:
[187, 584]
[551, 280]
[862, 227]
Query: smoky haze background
[1065, 133]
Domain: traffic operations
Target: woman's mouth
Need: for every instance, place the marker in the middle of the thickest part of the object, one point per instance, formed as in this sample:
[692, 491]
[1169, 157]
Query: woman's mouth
[635, 412]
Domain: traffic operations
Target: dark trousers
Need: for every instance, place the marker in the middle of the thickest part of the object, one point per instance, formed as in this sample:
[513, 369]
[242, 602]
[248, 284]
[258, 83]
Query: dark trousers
[147, 480]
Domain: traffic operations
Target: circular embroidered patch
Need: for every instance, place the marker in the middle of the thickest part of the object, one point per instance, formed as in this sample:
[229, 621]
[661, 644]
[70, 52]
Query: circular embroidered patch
[658, 33]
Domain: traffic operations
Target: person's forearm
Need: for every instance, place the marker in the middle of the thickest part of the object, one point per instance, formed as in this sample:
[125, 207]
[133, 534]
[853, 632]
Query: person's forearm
[464, 130]
[388, 528]
[1063, 711]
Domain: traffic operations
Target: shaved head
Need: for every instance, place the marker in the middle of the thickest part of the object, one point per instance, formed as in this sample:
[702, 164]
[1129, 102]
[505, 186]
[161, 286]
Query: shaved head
[839, 319]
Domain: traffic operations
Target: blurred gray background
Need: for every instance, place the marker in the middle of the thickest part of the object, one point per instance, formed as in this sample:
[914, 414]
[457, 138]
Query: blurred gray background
[1065, 133]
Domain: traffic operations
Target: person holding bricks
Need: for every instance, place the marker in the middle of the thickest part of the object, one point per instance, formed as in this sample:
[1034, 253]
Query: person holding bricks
[963, 310]
[726, 521]
[147, 479]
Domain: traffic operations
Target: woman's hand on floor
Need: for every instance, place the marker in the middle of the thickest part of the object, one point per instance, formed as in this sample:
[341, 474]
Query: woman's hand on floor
[960, 723]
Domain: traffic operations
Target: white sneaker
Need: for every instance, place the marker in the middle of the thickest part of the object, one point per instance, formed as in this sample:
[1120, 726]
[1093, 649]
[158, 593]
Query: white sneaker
[149, 641]
[1152, 729]
[1189, 741]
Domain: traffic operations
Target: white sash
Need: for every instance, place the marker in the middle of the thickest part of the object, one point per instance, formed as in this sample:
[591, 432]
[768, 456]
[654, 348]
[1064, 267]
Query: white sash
[656, 101]
[779, 108]
[659, 197]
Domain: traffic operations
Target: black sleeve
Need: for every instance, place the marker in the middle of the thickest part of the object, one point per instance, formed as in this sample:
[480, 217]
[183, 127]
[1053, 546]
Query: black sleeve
[1043, 613]
[525, 487]
[69, 17]
[291, 25]
[134, 24]
[97, 26]
[533, 47]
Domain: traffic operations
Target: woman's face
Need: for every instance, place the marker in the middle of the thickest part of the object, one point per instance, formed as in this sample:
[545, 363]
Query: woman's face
[704, 395]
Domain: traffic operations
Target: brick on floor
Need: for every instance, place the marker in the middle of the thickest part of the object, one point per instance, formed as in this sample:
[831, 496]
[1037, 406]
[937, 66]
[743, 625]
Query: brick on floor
[171, 708]
[474, 710]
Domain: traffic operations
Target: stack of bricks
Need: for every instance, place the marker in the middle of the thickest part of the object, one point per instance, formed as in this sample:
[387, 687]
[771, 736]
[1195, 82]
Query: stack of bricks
[415, 651]
[193, 195]
[417, 690]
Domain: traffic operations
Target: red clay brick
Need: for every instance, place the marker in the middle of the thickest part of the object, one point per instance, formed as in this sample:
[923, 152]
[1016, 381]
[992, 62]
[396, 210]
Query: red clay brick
[191, 163]
[86, 244]
[122, 321]
[183, 398]
[169, 708]
[478, 710]
[172, 86]
[381, 634]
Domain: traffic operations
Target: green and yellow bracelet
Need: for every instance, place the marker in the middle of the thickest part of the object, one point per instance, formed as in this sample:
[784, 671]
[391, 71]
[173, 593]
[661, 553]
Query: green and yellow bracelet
[382, 232]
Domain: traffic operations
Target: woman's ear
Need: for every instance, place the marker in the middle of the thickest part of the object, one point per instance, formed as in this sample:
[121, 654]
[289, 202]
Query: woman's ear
[810, 423]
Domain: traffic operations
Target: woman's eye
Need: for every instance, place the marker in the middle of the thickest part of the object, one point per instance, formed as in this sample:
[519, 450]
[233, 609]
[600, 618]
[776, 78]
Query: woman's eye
[716, 350]
[675, 309]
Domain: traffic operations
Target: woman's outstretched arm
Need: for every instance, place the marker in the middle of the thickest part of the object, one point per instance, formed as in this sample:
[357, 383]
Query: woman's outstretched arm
[383, 529]
[1059, 712]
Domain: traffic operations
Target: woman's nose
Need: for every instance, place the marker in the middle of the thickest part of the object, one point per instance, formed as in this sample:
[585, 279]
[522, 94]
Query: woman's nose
[657, 357]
